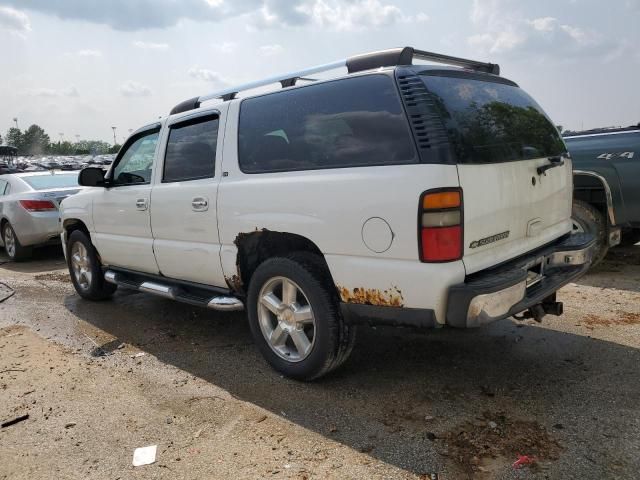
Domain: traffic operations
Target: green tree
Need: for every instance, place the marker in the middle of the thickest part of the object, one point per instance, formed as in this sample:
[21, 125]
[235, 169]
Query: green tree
[14, 138]
[35, 141]
[0, 139]
[115, 149]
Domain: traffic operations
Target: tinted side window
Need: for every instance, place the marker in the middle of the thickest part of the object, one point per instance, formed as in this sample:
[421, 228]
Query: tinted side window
[191, 150]
[136, 162]
[345, 123]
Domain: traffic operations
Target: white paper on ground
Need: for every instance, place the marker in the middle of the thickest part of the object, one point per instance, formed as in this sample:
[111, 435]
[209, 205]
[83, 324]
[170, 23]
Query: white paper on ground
[144, 455]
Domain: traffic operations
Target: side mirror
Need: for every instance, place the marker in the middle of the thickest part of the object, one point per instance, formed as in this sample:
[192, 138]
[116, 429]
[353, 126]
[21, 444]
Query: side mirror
[91, 177]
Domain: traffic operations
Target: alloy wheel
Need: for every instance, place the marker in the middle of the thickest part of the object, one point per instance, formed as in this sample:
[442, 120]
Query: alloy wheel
[81, 265]
[286, 319]
[9, 241]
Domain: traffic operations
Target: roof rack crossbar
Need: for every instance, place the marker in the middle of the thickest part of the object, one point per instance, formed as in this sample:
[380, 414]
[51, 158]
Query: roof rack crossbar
[367, 61]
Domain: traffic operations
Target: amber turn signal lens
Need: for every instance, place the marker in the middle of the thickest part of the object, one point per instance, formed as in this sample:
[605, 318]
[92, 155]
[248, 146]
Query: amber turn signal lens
[441, 200]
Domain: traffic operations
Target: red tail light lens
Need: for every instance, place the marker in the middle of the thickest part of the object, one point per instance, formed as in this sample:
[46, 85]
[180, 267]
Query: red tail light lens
[440, 225]
[37, 205]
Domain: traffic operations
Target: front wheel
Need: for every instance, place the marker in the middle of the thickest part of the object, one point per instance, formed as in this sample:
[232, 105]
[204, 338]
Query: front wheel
[85, 269]
[294, 316]
[588, 219]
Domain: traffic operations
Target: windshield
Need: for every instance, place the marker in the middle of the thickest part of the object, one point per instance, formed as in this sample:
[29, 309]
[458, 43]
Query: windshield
[45, 182]
[491, 122]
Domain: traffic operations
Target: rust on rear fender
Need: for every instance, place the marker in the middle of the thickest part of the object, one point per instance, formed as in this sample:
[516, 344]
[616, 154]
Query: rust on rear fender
[391, 297]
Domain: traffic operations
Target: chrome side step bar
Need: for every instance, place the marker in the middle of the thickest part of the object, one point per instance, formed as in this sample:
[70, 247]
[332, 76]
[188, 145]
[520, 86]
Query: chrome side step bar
[222, 303]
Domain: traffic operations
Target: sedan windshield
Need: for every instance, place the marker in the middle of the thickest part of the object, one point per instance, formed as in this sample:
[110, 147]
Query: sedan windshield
[45, 182]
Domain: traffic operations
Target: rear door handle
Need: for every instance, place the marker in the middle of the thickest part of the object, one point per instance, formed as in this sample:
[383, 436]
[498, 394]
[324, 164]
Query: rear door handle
[200, 204]
[141, 204]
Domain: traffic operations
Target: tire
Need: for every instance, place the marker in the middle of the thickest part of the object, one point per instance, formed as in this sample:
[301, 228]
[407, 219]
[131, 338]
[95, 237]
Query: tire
[329, 339]
[630, 238]
[12, 246]
[587, 218]
[85, 268]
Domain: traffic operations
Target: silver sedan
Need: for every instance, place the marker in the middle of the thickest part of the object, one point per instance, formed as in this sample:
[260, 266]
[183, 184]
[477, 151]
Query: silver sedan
[29, 205]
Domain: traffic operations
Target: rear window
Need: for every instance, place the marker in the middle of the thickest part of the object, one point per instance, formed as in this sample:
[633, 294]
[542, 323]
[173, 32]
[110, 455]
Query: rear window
[353, 122]
[491, 122]
[45, 182]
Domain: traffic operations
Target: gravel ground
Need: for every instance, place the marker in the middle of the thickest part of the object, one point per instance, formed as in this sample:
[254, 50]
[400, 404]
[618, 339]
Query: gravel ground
[101, 379]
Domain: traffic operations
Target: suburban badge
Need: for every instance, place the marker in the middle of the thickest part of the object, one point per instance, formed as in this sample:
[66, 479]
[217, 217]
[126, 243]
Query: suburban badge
[486, 241]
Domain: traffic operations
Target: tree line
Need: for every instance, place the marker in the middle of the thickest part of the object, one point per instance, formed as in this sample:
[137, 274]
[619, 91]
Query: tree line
[35, 141]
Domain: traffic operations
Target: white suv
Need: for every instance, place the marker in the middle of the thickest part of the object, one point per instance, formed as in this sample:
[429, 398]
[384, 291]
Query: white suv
[410, 195]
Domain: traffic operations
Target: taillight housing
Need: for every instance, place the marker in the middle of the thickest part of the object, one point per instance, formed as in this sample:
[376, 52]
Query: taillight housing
[440, 225]
[37, 205]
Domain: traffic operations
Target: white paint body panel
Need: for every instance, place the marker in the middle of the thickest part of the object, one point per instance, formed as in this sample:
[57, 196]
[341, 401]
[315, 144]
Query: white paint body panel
[186, 241]
[122, 232]
[502, 197]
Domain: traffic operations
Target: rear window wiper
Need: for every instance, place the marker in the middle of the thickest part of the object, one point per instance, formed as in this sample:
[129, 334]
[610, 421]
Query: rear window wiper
[556, 161]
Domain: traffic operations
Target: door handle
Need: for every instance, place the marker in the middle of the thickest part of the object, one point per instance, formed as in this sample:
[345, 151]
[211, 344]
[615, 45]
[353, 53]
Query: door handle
[141, 204]
[200, 204]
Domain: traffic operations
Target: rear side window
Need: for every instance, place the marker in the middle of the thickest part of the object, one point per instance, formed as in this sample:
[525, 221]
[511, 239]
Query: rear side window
[191, 150]
[353, 122]
[490, 122]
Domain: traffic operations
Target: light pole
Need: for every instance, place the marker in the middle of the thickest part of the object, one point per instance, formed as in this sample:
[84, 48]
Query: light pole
[114, 135]
[15, 119]
[61, 137]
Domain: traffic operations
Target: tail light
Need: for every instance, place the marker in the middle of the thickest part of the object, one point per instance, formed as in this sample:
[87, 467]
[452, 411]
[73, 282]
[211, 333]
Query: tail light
[37, 205]
[440, 231]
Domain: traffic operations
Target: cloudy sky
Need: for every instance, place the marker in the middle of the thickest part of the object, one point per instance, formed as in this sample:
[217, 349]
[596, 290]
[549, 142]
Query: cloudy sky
[78, 67]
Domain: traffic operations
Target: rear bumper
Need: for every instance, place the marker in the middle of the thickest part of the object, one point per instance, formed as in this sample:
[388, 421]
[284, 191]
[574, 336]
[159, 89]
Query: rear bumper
[499, 293]
[37, 228]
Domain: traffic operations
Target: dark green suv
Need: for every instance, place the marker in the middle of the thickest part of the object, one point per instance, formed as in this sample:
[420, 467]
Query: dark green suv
[606, 169]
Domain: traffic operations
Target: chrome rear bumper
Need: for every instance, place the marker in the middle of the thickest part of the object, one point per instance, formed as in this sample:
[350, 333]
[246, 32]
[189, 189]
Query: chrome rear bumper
[523, 283]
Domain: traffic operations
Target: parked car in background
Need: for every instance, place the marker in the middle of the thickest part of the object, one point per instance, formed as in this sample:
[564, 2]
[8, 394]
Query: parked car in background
[410, 195]
[606, 183]
[29, 205]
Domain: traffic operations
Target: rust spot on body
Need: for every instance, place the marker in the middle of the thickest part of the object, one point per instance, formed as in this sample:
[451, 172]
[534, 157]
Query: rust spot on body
[391, 297]
[234, 282]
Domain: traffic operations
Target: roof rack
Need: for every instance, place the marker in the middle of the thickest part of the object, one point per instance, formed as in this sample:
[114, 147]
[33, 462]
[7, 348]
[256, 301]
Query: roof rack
[359, 63]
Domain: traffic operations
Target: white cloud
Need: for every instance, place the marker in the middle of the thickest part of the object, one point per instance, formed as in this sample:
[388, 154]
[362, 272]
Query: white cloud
[505, 30]
[544, 24]
[206, 75]
[89, 53]
[344, 15]
[270, 50]
[71, 91]
[134, 89]
[150, 45]
[353, 15]
[14, 20]
[225, 47]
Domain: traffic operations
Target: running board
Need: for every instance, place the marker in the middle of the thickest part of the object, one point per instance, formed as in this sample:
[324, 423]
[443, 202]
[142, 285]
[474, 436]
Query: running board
[225, 303]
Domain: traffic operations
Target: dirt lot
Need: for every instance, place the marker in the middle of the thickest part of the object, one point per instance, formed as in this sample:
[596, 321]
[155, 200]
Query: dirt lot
[99, 380]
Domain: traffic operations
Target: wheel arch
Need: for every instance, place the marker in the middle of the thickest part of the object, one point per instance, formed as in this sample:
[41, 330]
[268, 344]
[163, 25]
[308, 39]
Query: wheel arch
[594, 189]
[71, 224]
[260, 245]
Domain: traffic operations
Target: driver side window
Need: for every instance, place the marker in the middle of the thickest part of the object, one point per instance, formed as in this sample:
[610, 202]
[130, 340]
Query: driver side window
[136, 163]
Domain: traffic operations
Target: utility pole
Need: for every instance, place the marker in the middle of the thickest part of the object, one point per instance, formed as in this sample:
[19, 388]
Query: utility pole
[114, 135]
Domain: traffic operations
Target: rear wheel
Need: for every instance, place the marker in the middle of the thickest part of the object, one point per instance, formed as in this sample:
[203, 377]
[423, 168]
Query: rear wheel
[295, 318]
[15, 251]
[85, 269]
[588, 219]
